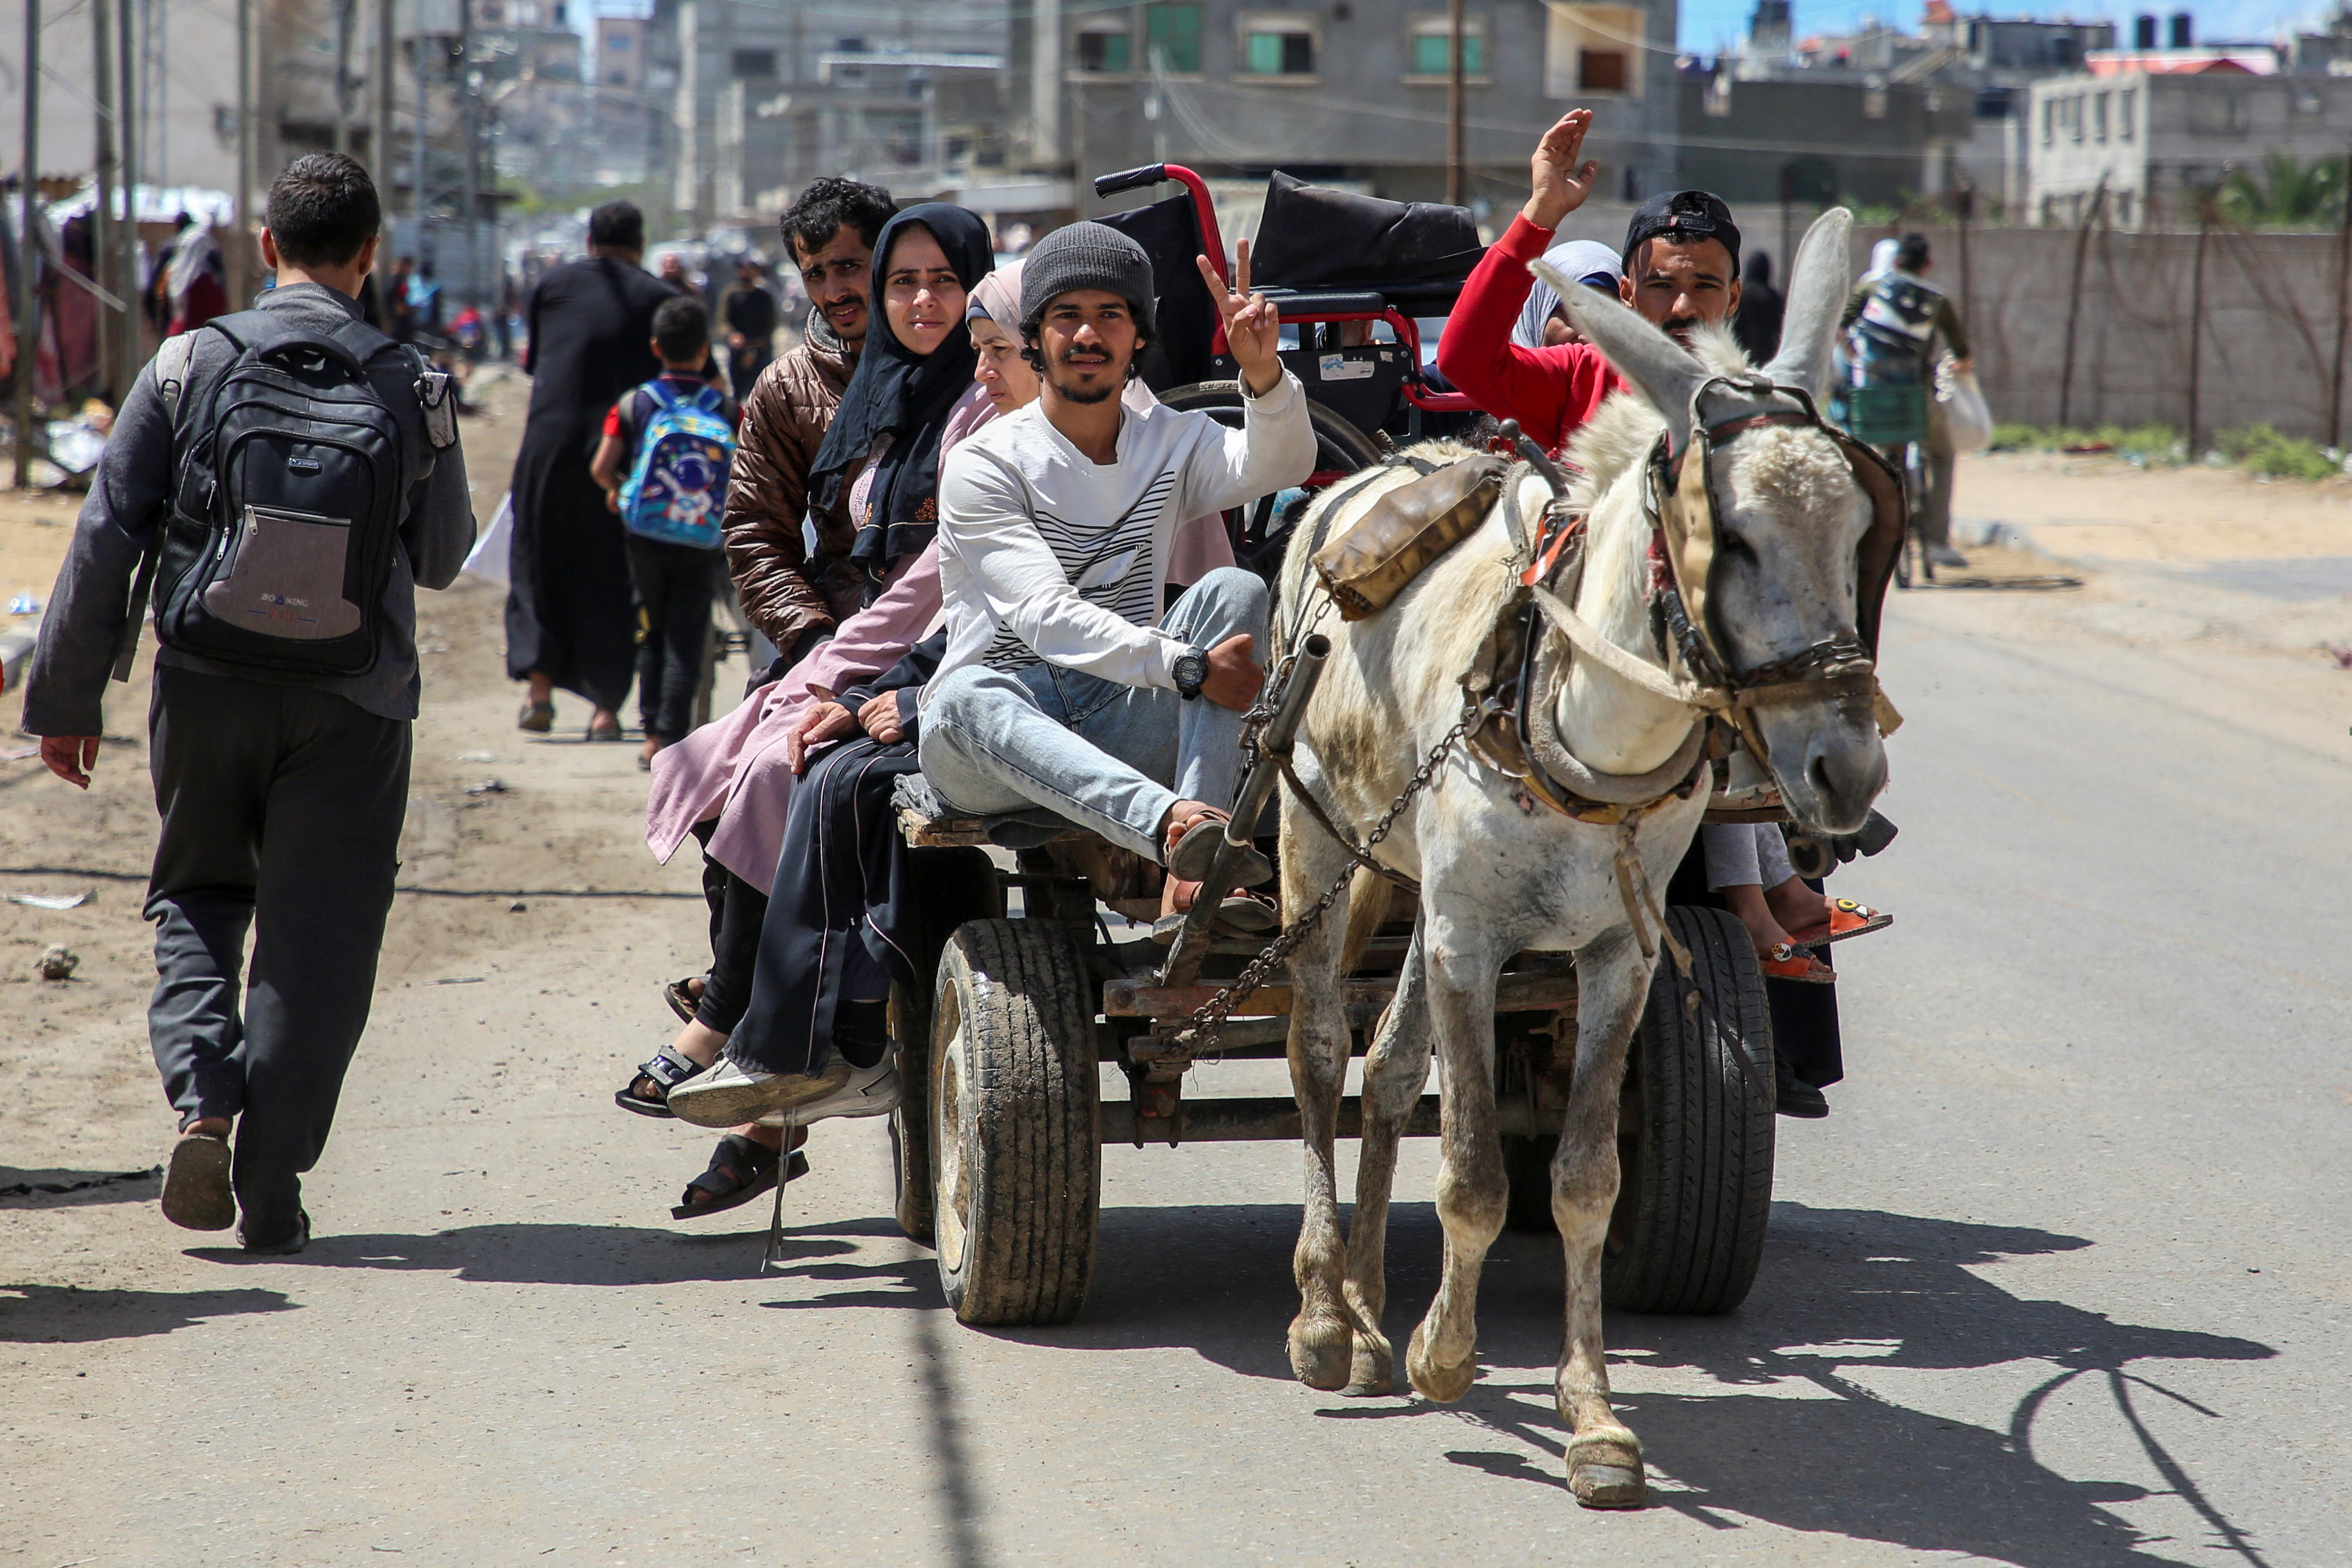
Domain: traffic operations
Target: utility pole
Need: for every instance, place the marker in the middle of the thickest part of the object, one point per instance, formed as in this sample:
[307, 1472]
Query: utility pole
[2343, 320]
[105, 257]
[344, 21]
[380, 160]
[2074, 299]
[472, 107]
[241, 255]
[28, 299]
[1456, 177]
[134, 339]
[418, 58]
[2196, 322]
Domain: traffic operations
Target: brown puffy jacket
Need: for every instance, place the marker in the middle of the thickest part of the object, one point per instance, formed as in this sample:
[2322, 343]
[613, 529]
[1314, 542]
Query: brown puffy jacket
[786, 592]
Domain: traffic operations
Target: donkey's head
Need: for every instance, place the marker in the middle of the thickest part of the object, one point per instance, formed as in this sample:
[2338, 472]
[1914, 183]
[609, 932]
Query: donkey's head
[1767, 519]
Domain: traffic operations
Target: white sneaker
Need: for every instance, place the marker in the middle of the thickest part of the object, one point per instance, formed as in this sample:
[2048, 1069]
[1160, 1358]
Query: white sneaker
[871, 1092]
[1945, 555]
[728, 1097]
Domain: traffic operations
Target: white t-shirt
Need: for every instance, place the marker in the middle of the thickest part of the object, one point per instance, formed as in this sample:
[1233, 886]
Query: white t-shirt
[1046, 554]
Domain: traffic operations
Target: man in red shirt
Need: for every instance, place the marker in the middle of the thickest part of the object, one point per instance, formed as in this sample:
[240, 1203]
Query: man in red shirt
[1681, 269]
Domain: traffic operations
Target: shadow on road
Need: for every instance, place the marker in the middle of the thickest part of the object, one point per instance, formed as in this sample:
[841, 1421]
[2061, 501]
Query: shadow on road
[50, 1314]
[1842, 1291]
[577, 1254]
[51, 1189]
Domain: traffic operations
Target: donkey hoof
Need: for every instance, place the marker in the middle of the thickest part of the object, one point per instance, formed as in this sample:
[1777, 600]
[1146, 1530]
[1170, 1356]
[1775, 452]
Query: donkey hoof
[1604, 1470]
[1442, 1381]
[1320, 1349]
[1373, 1370]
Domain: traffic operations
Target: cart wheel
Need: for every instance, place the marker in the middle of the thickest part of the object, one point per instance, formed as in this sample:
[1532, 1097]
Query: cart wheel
[956, 885]
[1016, 1148]
[1694, 1139]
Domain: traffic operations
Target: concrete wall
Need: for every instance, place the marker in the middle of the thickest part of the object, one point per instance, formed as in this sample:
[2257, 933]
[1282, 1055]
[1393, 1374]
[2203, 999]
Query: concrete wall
[2268, 341]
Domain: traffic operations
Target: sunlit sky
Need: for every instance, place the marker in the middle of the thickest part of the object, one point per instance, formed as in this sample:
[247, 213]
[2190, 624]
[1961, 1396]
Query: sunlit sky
[1708, 26]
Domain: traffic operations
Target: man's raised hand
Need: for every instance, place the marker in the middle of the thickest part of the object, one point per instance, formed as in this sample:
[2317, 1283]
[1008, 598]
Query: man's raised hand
[1557, 185]
[1252, 326]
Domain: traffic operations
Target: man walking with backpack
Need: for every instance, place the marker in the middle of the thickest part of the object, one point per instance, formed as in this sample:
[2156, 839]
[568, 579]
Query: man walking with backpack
[663, 463]
[284, 478]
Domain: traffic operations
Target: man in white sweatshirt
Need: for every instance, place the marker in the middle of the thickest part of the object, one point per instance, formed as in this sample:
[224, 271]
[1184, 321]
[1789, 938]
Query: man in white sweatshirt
[1064, 685]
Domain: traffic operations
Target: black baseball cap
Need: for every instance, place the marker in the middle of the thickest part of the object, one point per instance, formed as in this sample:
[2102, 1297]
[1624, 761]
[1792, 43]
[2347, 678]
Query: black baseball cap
[1682, 216]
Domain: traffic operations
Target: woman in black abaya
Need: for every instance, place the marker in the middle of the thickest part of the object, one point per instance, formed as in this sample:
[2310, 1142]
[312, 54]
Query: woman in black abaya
[569, 619]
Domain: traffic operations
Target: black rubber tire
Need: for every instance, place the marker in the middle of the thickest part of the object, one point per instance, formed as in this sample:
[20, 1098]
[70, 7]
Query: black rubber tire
[1528, 1163]
[1012, 1095]
[1694, 1137]
[1339, 444]
[958, 884]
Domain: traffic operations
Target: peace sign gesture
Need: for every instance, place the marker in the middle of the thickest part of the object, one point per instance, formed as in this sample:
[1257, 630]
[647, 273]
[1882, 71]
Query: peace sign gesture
[1252, 326]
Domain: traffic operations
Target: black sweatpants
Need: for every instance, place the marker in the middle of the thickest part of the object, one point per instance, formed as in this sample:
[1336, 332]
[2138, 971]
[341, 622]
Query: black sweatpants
[736, 908]
[281, 810]
[673, 584]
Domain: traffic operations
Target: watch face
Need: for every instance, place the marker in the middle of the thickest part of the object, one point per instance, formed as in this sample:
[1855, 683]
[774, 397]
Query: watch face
[1191, 670]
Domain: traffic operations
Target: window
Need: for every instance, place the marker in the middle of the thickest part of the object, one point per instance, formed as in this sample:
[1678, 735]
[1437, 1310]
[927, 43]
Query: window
[2099, 117]
[617, 42]
[1277, 46]
[1109, 52]
[2075, 115]
[1433, 49]
[1171, 37]
[2127, 112]
[754, 62]
[2049, 120]
[1593, 48]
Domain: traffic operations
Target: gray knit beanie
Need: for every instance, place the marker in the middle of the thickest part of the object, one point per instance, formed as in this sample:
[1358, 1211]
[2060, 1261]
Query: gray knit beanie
[1085, 254]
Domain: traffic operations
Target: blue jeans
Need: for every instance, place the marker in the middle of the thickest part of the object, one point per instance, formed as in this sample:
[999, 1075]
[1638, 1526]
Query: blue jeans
[1109, 758]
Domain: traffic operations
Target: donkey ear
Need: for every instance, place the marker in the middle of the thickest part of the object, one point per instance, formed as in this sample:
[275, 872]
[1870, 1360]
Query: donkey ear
[1663, 368]
[1817, 293]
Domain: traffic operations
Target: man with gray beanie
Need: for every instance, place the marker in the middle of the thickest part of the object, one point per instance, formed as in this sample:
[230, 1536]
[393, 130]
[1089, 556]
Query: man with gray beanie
[1063, 684]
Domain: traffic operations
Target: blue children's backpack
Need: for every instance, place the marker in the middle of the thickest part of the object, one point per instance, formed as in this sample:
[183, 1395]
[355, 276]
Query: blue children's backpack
[677, 488]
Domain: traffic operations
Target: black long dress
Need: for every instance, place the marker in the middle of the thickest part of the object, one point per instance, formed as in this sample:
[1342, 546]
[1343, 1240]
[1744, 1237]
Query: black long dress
[568, 611]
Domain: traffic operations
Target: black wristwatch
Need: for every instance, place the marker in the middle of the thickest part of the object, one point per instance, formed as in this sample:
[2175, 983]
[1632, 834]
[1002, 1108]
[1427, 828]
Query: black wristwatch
[1191, 672]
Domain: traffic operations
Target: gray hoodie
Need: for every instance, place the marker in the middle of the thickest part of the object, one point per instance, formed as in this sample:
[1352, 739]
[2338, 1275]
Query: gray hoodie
[130, 495]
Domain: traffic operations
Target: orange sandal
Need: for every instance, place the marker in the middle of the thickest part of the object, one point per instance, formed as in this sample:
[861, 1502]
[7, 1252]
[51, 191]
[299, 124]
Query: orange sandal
[1846, 919]
[1791, 962]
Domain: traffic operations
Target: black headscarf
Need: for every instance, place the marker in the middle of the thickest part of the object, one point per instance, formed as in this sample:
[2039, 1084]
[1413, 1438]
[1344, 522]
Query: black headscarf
[904, 394]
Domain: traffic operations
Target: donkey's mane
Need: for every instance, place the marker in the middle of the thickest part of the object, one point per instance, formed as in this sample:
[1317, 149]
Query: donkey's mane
[1617, 439]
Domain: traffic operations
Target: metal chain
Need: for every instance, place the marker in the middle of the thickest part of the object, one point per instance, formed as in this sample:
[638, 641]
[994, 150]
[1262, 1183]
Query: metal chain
[1207, 1022]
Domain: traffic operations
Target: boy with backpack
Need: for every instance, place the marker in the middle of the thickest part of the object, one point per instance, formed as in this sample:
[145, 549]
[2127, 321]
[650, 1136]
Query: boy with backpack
[279, 480]
[663, 465]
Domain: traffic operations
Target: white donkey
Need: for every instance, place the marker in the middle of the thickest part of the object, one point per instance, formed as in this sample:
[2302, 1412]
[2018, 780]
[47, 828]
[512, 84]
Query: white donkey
[1501, 875]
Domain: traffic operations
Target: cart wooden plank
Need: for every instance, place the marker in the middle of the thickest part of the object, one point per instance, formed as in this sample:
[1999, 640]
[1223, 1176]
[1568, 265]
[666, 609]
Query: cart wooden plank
[1139, 997]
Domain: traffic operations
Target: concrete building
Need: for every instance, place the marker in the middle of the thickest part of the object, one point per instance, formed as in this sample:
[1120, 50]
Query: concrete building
[1812, 138]
[1338, 90]
[766, 98]
[2159, 130]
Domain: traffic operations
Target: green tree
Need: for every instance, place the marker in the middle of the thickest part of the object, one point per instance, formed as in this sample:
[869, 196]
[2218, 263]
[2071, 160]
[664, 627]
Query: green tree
[2288, 194]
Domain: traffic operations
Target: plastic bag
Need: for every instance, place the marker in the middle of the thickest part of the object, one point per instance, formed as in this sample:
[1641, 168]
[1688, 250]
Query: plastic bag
[488, 560]
[1967, 423]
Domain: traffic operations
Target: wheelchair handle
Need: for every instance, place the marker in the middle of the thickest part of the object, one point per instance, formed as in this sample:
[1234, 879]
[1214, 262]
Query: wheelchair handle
[1129, 178]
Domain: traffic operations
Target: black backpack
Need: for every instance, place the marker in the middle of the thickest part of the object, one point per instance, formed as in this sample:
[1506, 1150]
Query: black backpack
[290, 484]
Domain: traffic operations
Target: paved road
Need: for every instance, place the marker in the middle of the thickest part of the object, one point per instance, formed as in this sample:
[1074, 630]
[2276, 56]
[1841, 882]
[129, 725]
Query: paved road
[2062, 1283]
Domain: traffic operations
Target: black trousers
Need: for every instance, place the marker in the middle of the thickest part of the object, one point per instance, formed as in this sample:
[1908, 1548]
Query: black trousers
[836, 930]
[281, 811]
[1805, 1029]
[673, 585]
[736, 908]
